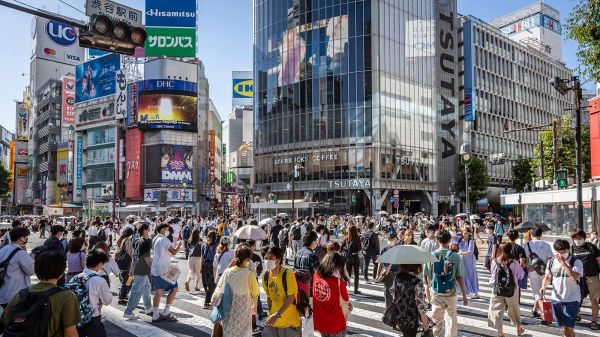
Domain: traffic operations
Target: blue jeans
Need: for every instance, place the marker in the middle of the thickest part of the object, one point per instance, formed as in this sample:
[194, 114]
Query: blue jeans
[139, 288]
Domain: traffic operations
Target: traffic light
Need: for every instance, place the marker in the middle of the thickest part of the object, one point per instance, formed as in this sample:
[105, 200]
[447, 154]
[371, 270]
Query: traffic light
[105, 34]
[561, 178]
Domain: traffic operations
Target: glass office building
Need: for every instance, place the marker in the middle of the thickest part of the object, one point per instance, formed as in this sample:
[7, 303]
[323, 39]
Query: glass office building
[360, 98]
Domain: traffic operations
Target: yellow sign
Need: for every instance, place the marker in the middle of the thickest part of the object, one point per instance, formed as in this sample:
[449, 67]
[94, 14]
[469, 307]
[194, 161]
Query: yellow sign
[11, 164]
[243, 88]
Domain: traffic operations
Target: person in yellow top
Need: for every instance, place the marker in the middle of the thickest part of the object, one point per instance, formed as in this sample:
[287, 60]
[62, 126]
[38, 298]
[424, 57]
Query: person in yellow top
[284, 319]
[244, 286]
[221, 228]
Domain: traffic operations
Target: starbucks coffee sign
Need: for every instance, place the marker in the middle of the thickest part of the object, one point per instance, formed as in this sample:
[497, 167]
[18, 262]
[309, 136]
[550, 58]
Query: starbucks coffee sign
[305, 158]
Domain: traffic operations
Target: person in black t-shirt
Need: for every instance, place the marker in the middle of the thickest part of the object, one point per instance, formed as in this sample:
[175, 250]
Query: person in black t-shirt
[589, 255]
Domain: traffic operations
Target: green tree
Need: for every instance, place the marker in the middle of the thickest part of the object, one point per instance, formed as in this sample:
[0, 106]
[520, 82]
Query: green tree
[583, 26]
[5, 180]
[479, 180]
[522, 175]
[566, 150]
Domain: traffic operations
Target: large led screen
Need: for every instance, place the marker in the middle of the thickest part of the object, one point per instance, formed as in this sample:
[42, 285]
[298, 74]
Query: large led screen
[167, 111]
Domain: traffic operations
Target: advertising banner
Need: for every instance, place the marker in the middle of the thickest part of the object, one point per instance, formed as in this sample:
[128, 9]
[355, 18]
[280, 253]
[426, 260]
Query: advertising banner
[170, 41]
[211, 158]
[21, 152]
[167, 111]
[115, 11]
[55, 41]
[96, 78]
[78, 168]
[22, 132]
[11, 164]
[121, 95]
[176, 163]
[107, 190]
[469, 70]
[133, 164]
[62, 162]
[174, 195]
[243, 90]
[93, 113]
[68, 100]
[180, 13]
[132, 104]
[21, 182]
[168, 85]
[95, 53]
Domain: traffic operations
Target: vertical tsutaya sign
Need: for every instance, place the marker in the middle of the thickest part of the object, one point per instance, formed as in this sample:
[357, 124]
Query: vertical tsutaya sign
[78, 169]
[120, 95]
[446, 92]
[68, 100]
[469, 72]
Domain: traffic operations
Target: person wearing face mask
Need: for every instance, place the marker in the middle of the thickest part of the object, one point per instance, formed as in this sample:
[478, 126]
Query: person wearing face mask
[492, 245]
[331, 303]
[20, 265]
[161, 274]
[283, 319]
[387, 272]
[589, 255]
[244, 287]
[564, 272]
[430, 244]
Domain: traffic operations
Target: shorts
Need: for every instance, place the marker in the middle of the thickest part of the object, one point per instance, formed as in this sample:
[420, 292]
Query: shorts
[593, 283]
[161, 283]
[565, 313]
[270, 331]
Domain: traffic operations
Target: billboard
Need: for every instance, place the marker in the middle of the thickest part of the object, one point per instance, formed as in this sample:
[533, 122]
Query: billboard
[68, 100]
[55, 41]
[21, 180]
[169, 164]
[133, 164]
[180, 13]
[469, 71]
[121, 95]
[167, 104]
[95, 112]
[174, 195]
[62, 163]
[78, 168]
[132, 104]
[22, 121]
[243, 90]
[11, 165]
[170, 41]
[96, 78]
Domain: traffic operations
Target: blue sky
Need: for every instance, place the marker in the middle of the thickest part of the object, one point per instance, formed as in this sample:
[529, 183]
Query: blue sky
[224, 42]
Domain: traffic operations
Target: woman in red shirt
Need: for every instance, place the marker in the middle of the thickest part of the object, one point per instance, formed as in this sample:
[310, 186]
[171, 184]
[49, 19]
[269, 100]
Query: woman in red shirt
[331, 304]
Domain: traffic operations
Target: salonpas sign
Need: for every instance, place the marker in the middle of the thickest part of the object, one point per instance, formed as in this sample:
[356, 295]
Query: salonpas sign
[350, 184]
[169, 41]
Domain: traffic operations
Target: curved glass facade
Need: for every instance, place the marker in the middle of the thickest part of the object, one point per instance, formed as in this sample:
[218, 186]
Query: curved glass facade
[345, 88]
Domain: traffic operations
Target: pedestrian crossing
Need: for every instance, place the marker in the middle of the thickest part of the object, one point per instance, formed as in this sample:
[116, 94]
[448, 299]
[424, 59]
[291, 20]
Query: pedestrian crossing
[365, 320]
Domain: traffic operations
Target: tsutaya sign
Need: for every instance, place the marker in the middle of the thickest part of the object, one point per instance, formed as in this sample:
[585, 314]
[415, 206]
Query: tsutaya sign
[304, 158]
[350, 184]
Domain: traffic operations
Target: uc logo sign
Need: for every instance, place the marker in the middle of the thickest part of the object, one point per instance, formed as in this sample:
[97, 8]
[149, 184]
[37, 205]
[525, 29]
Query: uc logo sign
[60, 33]
[243, 88]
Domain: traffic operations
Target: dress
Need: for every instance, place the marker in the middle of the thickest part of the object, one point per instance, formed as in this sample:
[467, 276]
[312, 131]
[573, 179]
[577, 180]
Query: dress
[245, 291]
[469, 265]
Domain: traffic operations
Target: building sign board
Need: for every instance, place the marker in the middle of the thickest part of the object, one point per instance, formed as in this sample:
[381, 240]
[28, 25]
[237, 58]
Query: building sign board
[114, 11]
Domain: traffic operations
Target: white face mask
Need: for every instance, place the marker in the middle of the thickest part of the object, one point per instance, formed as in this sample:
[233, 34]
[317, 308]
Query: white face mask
[270, 264]
[579, 242]
[565, 255]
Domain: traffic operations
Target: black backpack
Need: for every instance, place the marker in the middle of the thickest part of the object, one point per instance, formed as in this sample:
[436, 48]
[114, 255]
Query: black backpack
[365, 241]
[30, 317]
[102, 234]
[283, 237]
[402, 314]
[4, 265]
[504, 284]
[296, 232]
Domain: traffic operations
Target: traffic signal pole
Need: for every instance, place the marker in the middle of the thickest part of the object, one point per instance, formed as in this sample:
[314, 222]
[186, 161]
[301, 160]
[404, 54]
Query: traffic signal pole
[42, 14]
[578, 166]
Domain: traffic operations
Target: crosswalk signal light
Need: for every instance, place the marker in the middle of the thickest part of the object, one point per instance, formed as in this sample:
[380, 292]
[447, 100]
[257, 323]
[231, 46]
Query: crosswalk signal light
[105, 34]
[561, 178]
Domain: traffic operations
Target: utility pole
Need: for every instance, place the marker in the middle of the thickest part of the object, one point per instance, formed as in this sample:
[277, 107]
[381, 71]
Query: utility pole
[555, 145]
[542, 165]
[577, 92]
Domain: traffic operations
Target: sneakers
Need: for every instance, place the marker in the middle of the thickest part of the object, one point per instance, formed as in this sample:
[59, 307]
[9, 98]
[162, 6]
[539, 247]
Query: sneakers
[131, 316]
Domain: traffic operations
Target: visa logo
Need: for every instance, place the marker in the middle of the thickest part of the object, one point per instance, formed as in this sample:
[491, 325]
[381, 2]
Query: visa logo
[244, 88]
[70, 57]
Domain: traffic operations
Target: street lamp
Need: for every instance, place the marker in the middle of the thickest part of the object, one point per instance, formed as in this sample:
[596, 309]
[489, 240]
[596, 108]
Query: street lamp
[465, 154]
[295, 174]
[562, 86]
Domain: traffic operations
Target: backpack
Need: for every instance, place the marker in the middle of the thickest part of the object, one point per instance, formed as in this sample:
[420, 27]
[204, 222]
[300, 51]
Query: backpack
[402, 314]
[365, 241]
[504, 284]
[301, 301]
[31, 315]
[4, 265]
[101, 234]
[77, 286]
[187, 231]
[441, 283]
[296, 232]
[536, 263]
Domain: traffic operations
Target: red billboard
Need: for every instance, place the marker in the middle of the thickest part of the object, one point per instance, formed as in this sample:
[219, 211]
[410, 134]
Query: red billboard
[68, 100]
[133, 165]
[594, 108]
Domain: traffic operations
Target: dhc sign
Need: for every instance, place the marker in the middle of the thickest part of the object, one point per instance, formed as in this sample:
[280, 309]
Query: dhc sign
[61, 33]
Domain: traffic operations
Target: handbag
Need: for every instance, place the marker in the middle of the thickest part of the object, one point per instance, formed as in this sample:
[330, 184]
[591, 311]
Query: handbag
[223, 308]
[217, 330]
[345, 305]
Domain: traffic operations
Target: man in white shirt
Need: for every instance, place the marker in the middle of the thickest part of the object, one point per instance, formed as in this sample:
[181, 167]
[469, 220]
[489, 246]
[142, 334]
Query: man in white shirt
[430, 244]
[98, 292]
[163, 273]
[565, 272]
[543, 250]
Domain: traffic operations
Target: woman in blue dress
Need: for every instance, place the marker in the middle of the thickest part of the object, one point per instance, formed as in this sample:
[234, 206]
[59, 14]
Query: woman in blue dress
[466, 246]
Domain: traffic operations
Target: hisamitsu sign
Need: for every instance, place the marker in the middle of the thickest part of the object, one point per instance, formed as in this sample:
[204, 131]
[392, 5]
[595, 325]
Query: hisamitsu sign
[171, 13]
